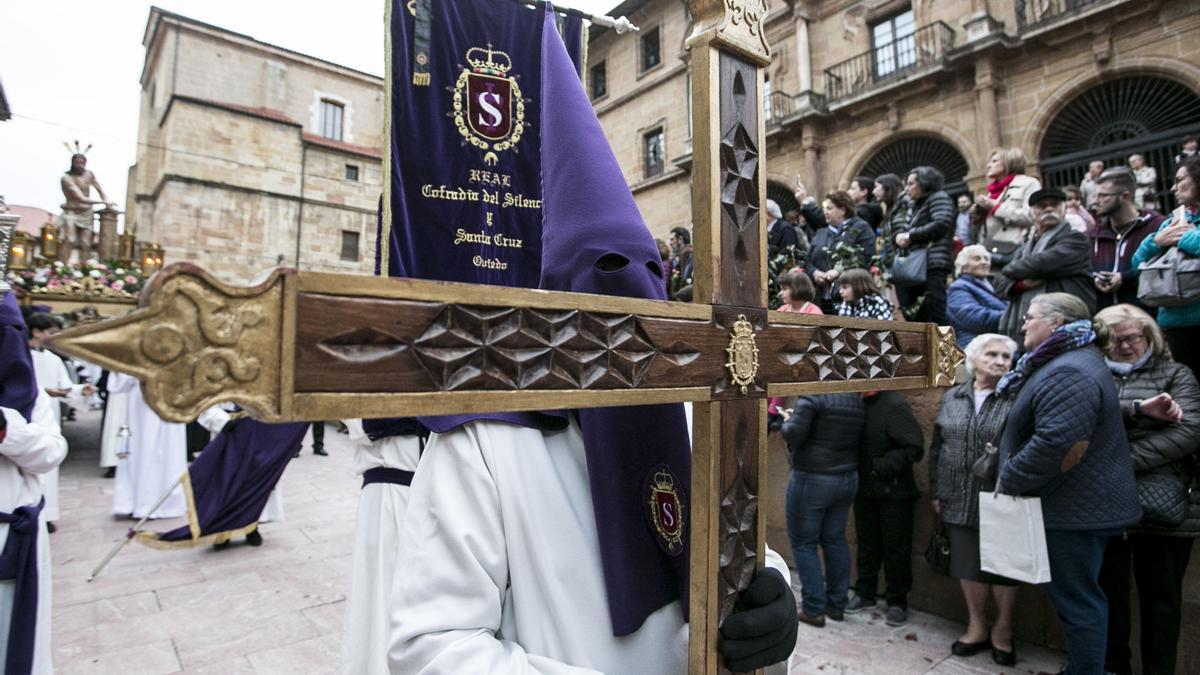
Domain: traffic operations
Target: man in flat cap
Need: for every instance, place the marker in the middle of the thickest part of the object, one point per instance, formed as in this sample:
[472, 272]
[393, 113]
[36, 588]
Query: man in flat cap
[1054, 259]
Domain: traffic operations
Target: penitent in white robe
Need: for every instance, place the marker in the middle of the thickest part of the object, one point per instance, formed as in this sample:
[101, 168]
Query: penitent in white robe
[503, 570]
[377, 545]
[52, 373]
[27, 451]
[115, 413]
[157, 458]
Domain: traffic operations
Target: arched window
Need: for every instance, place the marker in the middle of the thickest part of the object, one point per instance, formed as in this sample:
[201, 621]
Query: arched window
[1115, 119]
[901, 156]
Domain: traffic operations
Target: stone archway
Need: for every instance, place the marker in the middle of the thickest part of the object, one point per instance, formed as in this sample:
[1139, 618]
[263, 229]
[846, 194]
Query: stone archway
[1110, 120]
[903, 154]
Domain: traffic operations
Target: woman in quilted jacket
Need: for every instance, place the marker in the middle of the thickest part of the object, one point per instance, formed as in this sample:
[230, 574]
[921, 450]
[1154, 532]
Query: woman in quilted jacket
[1151, 387]
[970, 418]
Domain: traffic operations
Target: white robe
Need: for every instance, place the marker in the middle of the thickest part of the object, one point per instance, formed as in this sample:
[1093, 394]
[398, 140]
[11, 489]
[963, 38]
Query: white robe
[52, 373]
[157, 458]
[377, 545]
[214, 419]
[27, 451]
[116, 409]
[503, 572]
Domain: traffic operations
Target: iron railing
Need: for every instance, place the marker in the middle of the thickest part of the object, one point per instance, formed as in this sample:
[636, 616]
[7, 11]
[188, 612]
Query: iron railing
[1032, 13]
[778, 106]
[925, 47]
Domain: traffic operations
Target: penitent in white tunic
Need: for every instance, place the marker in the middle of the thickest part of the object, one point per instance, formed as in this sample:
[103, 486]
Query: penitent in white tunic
[27, 451]
[503, 570]
[115, 412]
[213, 420]
[157, 458]
[377, 546]
[52, 373]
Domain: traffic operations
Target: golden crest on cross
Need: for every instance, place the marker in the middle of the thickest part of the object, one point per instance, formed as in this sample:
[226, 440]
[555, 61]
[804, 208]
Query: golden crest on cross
[743, 354]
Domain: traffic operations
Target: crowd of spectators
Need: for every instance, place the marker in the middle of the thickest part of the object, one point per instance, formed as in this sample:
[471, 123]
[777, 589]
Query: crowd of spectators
[1086, 395]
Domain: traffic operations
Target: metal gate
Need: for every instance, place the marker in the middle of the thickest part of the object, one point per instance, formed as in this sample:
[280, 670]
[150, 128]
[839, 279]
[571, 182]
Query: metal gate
[1149, 116]
[902, 156]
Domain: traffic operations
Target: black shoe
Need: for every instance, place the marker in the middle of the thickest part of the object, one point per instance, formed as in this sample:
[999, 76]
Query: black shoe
[111, 473]
[1003, 658]
[960, 648]
[51, 527]
[815, 621]
[221, 546]
[835, 614]
[254, 538]
[320, 451]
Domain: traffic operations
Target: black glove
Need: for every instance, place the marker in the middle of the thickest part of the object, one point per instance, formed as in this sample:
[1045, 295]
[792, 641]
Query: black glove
[228, 428]
[763, 630]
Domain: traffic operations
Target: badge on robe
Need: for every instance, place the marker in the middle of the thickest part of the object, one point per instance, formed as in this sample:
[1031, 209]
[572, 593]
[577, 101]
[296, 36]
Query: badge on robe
[666, 510]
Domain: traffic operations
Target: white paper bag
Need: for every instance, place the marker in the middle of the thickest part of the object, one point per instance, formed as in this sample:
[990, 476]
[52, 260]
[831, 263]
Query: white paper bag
[1012, 538]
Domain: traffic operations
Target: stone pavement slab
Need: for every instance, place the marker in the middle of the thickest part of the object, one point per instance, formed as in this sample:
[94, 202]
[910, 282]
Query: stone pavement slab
[279, 608]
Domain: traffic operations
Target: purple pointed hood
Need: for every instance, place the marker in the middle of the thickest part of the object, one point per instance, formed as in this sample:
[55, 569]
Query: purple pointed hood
[18, 386]
[594, 241]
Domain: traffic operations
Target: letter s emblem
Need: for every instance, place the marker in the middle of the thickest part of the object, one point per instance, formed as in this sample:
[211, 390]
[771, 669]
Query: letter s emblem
[668, 515]
[490, 109]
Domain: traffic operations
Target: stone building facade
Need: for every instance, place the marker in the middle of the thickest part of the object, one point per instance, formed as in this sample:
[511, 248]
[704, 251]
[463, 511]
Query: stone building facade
[862, 87]
[252, 155]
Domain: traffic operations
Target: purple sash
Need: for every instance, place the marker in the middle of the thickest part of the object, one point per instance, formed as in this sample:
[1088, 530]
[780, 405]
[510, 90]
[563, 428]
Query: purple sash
[18, 562]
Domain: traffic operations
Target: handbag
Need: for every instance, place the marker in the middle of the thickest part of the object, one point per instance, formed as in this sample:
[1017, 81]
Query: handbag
[909, 267]
[1169, 279]
[986, 468]
[1164, 498]
[937, 553]
[1012, 538]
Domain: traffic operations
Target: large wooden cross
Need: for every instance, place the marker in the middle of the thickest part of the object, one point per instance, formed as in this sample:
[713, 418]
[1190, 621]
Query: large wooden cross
[315, 346]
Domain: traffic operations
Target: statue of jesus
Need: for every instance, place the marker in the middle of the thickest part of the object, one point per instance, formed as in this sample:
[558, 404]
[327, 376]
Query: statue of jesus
[77, 219]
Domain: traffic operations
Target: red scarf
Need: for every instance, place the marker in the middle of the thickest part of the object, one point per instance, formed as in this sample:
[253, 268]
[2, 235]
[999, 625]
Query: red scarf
[997, 188]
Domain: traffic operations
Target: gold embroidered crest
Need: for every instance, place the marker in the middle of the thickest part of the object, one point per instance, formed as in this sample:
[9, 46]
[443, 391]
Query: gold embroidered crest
[489, 110]
[666, 510]
[743, 354]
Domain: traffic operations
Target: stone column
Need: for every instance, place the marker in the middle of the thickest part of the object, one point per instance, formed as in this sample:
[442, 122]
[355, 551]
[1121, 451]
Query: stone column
[107, 247]
[987, 116]
[812, 163]
[803, 56]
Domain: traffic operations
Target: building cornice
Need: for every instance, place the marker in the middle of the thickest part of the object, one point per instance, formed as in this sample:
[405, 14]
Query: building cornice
[221, 185]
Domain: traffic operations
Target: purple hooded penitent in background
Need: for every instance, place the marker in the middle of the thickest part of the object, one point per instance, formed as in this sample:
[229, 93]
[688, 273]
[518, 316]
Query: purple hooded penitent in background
[18, 386]
[232, 479]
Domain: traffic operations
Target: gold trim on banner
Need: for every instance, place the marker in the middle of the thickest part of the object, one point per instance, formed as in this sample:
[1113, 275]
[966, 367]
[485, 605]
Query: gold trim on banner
[385, 228]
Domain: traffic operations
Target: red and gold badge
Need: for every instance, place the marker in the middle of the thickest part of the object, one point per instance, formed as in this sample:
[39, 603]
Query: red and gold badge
[666, 510]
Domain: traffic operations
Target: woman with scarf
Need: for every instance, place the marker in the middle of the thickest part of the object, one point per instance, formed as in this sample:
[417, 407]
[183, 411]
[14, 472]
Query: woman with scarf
[1160, 404]
[1006, 204]
[843, 229]
[1065, 443]
[1181, 324]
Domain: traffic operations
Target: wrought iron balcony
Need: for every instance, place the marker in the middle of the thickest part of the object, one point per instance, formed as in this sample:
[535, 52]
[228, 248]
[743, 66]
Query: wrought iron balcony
[778, 106]
[1032, 13]
[924, 49]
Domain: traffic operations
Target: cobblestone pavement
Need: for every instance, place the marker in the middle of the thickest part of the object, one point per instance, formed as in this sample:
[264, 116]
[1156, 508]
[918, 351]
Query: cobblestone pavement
[278, 608]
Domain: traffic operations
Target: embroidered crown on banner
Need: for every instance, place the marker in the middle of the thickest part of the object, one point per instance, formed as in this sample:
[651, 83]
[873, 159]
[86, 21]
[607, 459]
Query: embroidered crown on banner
[493, 65]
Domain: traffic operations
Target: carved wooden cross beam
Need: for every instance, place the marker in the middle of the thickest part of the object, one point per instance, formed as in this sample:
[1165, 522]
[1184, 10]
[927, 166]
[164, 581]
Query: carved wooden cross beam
[310, 346]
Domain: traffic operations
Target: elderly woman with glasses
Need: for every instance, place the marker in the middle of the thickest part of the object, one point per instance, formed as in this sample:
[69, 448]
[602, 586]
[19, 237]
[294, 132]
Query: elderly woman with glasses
[971, 417]
[1065, 443]
[971, 303]
[1160, 405]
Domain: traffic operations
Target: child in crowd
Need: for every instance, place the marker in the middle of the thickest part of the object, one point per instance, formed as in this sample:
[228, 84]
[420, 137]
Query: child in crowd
[861, 298]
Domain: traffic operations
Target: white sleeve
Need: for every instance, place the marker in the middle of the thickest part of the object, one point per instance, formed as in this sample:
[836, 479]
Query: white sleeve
[213, 419]
[38, 446]
[448, 594]
[354, 428]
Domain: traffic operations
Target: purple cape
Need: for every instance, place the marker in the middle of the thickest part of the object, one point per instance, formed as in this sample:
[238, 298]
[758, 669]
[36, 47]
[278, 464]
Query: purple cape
[229, 483]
